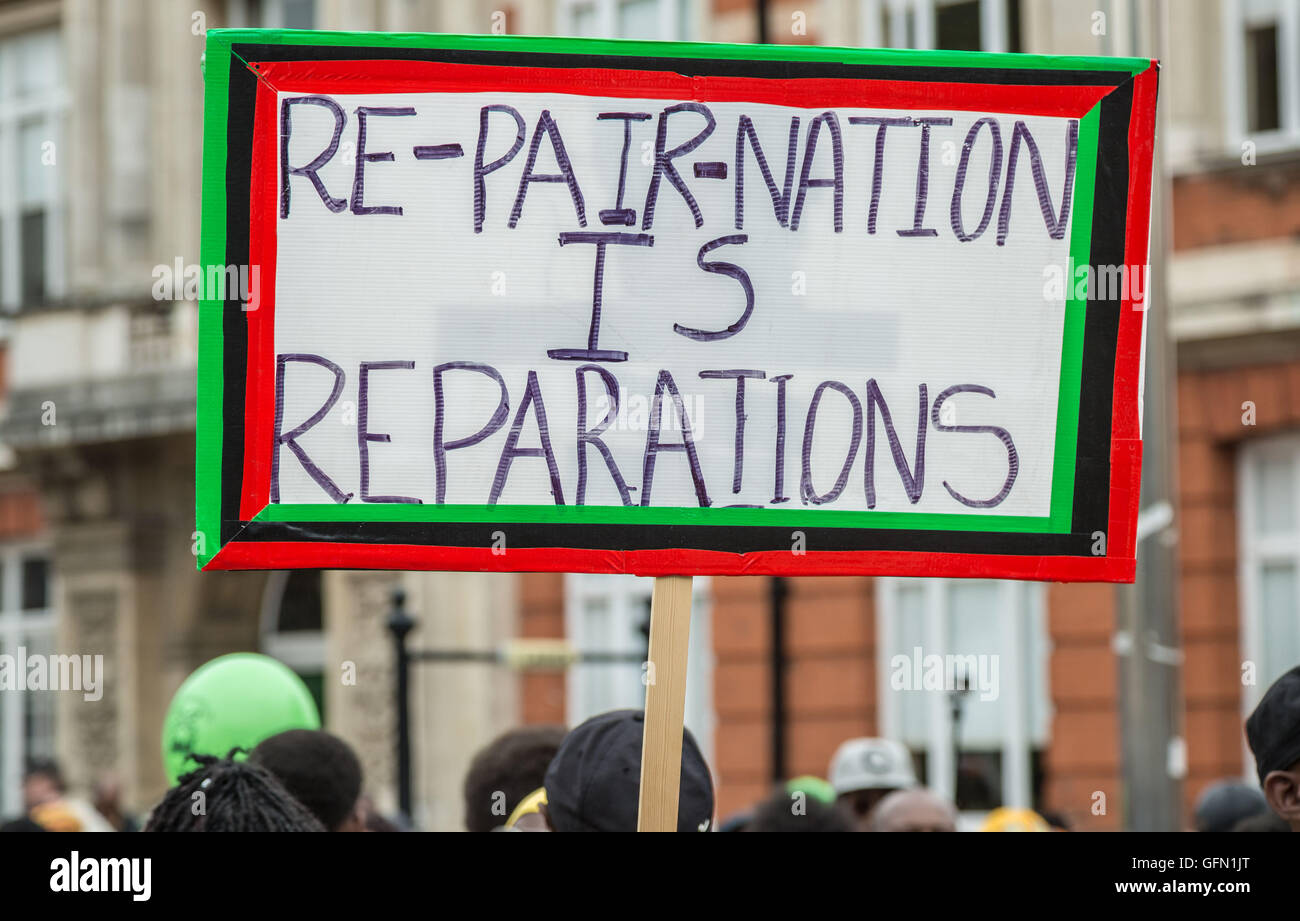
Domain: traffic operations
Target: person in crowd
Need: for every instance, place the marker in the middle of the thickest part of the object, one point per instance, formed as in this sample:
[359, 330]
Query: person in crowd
[108, 803]
[738, 821]
[228, 795]
[791, 811]
[865, 771]
[1225, 803]
[320, 771]
[915, 809]
[505, 771]
[1057, 821]
[1273, 732]
[376, 821]
[47, 803]
[1011, 818]
[594, 781]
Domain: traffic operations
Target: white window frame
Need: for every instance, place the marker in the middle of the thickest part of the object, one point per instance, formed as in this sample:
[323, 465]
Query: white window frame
[676, 19]
[994, 31]
[1254, 551]
[1235, 20]
[50, 106]
[626, 599]
[1014, 598]
[14, 626]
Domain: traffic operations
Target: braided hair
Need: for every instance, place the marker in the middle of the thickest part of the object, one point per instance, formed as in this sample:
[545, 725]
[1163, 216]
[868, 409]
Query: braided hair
[229, 795]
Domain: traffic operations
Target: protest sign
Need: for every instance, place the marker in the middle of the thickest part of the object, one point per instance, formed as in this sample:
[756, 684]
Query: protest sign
[597, 306]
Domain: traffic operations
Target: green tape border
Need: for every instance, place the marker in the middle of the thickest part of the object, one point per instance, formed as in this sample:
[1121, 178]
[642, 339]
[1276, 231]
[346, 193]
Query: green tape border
[208, 450]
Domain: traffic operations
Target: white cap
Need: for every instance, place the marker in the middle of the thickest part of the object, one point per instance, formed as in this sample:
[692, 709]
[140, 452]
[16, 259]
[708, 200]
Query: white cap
[871, 764]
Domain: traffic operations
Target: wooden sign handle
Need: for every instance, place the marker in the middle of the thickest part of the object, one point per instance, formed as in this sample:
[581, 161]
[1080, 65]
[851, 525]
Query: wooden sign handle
[665, 704]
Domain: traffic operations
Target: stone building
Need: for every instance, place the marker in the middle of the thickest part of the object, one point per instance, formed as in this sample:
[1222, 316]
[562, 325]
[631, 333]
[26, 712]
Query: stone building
[100, 148]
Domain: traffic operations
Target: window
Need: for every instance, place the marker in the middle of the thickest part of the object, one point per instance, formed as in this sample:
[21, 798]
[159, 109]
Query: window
[611, 613]
[1262, 113]
[662, 20]
[292, 626]
[962, 672]
[954, 25]
[1262, 84]
[32, 100]
[1268, 495]
[273, 14]
[26, 622]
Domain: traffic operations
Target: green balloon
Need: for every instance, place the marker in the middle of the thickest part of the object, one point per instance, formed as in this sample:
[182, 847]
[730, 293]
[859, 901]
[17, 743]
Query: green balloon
[812, 787]
[233, 701]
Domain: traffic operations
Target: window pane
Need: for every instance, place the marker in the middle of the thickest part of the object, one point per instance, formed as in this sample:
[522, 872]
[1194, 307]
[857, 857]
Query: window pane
[1013, 26]
[1279, 620]
[612, 686]
[33, 257]
[898, 26]
[1275, 498]
[957, 26]
[582, 21]
[300, 607]
[36, 584]
[913, 709]
[299, 14]
[38, 707]
[1262, 110]
[639, 19]
[37, 63]
[36, 179]
[975, 637]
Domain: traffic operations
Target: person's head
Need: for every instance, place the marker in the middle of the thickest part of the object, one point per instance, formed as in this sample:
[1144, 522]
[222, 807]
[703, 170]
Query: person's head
[228, 795]
[1011, 818]
[320, 771]
[374, 819]
[594, 781]
[865, 771]
[1262, 821]
[913, 810]
[1225, 803]
[505, 771]
[791, 811]
[1056, 821]
[1273, 731]
[42, 783]
[107, 794]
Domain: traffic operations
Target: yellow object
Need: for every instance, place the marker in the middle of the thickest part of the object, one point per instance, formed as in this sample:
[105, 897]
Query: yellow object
[539, 653]
[1007, 819]
[55, 816]
[528, 805]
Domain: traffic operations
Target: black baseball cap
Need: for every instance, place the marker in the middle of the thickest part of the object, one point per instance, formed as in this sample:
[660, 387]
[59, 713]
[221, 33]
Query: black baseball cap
[594, 781]
[1273, 730]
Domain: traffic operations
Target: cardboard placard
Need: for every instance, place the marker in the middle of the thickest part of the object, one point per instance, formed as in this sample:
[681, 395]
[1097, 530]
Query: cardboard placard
[573, 305]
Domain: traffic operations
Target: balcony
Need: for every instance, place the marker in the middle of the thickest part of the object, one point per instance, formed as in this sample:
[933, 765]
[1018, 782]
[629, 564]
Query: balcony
[97, 374]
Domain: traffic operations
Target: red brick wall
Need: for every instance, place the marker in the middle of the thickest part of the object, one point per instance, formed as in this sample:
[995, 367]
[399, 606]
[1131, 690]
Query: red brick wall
[541, 614]
[1237, 205]
[20, 514]
[830, 679]
[1082, 757]
[1210, 430]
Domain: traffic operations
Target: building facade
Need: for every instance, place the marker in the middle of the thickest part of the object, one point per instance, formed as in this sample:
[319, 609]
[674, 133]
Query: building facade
[100, 151]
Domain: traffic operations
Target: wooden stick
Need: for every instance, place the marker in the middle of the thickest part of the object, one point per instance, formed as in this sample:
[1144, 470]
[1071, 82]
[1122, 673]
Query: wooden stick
[665, 704]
